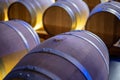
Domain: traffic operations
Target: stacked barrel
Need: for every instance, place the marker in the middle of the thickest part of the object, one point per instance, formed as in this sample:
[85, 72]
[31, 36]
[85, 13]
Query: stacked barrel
[57, 59]
[78, 37]
[30, 11]
[104, 21]
[4, 4]
[65, 15]
[17, 35]
[17, 38]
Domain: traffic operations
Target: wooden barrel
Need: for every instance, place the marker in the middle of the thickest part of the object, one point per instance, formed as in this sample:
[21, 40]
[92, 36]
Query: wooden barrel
[76, 55]
[104, 21]
[17, 38]
[92, 3]
[117, 0]
[2, 16]
[29, 10]
[114, 69]
[4, 4]
[65, 15]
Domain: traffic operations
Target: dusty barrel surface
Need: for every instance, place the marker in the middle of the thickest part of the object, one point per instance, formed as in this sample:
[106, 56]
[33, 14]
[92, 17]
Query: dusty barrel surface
[92, 3]
[78, 53]
[104, 21]
[29, 10]
[4, 4]
[17, 38]
[65, 15]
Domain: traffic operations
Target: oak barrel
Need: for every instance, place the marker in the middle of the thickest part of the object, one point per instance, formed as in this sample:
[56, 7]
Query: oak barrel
[29, 10]
[76, 55]
[117, 0]
[104, 21]
[65, 15]
[4, 4]
[2, 16]
[17, 38]
[92, 3]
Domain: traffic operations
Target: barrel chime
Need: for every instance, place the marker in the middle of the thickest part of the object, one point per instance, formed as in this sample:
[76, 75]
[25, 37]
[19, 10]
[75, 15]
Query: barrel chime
[93, 3]
[4, 4]
[104, 21]
[30, 11]
[57, 59]
[17, 38]
[65, 15]
[72, 53]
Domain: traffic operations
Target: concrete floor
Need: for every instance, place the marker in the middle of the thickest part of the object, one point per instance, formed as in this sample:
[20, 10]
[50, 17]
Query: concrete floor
[114, 69]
